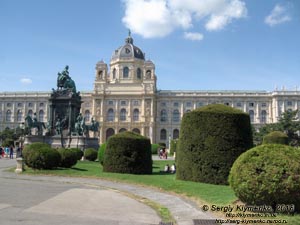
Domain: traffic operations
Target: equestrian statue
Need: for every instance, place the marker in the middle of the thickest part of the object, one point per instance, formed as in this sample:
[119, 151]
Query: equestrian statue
[33, 123]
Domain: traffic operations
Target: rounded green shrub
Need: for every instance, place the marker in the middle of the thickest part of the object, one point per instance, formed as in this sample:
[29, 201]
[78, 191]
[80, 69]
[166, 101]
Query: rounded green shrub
[128, 152]
[101, 153]
[90, 154]
[267, 175]
[211, 138]
[79, 152]
[276, 137]
[41, 156]
[154, 148]
[68, 157]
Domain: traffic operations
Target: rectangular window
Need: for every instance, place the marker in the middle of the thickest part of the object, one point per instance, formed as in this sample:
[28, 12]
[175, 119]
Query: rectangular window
[264, 104]
[136, 103]
[176, 104]
[189, 104]
[251, 104]
[110, 102]
[8, 104]
[163, 104]
[289, 103]
[19, 104]
[200, 104]
[226, 103]
[30, 104]
[123, 103]
[41, 104]
[239, 104]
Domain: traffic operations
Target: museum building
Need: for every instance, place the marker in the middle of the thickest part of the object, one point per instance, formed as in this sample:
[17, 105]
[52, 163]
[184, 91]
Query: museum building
[125, 97]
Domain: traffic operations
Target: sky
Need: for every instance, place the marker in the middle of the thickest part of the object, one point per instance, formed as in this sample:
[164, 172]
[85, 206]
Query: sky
[194, 44]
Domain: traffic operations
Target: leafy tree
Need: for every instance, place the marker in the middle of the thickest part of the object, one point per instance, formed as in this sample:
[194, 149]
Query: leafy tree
[288, 123]
[8, 136]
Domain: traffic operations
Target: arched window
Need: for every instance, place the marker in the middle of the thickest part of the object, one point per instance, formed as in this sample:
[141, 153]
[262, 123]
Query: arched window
[122, 130]
[139, 73]
[8, 116]
[19, 116]
[136, 114]
[176, 115]
[109, 132]
[114, 73]
[110, 115]
[148, 74]
[251, 114]
[123, 114]
[87, 115]
[163, 115]
[263, 116]
[30, 113]
[100, 74]
[41, 115]
[135, 130]
[125, 72]
[175, 134]
[163, 134]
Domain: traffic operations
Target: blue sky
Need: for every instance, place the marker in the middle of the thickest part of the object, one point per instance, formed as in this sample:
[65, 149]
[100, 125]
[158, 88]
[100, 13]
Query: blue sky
[195, 44]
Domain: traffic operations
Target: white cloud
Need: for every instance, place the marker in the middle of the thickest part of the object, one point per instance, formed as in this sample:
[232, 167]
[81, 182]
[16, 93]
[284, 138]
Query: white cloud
[233, 10]
[26, 81]
[278, 15]
[158, 18]
[194, 36]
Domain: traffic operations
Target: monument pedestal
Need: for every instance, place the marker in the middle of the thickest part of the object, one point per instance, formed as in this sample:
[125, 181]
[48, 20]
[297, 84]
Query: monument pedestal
[58, 141]
[20, 165]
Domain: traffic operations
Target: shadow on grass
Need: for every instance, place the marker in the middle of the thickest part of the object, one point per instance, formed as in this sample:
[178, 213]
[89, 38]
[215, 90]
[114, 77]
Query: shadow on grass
[162, 173]
[78, 169]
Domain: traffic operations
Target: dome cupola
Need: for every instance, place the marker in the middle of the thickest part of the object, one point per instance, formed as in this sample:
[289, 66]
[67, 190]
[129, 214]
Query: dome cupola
[128, 50]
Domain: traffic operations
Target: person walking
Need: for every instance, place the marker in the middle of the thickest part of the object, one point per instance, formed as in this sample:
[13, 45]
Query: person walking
[11, 152]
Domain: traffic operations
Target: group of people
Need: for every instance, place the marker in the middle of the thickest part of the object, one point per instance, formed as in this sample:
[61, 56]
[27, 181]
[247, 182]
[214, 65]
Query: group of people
[170, 169]
[162, 153]
[7, 151]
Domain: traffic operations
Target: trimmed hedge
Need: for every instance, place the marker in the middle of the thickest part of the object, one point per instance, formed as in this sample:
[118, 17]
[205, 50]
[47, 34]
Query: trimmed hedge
[267, 175]
[211, 138]
[79, 152]
[276, 137]
[101, 152]
[41, 156]
[128, 152]
[68, 157]
[154, 148]
[90, 154]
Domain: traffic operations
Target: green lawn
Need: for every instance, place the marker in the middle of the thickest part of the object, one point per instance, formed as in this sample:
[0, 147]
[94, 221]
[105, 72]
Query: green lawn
[221, 195]
[207, 193]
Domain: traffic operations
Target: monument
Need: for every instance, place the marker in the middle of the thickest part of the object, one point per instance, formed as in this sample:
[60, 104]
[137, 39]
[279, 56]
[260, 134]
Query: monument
[66, 126]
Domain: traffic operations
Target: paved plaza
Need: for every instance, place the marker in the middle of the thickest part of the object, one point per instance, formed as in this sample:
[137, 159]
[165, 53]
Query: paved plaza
[39, 200]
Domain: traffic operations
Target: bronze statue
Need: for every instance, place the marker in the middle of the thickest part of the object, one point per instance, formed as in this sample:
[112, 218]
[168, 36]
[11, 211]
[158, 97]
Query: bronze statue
[79, 125]
[64, 81]
[58, 126]
[33, 123]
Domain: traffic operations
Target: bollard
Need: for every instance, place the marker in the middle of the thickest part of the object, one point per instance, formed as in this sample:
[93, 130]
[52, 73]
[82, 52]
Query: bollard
[20, 165]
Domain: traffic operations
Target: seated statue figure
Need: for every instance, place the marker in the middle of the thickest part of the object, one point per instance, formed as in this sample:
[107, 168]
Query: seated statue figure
[64, 81]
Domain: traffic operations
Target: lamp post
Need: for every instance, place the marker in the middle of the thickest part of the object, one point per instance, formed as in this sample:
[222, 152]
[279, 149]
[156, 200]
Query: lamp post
[22, 138]
[20, 161]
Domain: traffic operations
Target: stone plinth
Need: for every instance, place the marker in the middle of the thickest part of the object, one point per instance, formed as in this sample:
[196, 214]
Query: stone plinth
[20, 165]
[58, 141]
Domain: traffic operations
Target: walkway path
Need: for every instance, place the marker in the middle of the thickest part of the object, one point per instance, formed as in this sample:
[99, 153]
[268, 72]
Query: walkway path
[85, 189]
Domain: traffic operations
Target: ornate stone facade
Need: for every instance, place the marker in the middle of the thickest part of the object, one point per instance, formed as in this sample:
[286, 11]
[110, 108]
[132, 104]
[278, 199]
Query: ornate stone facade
[125, 98]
